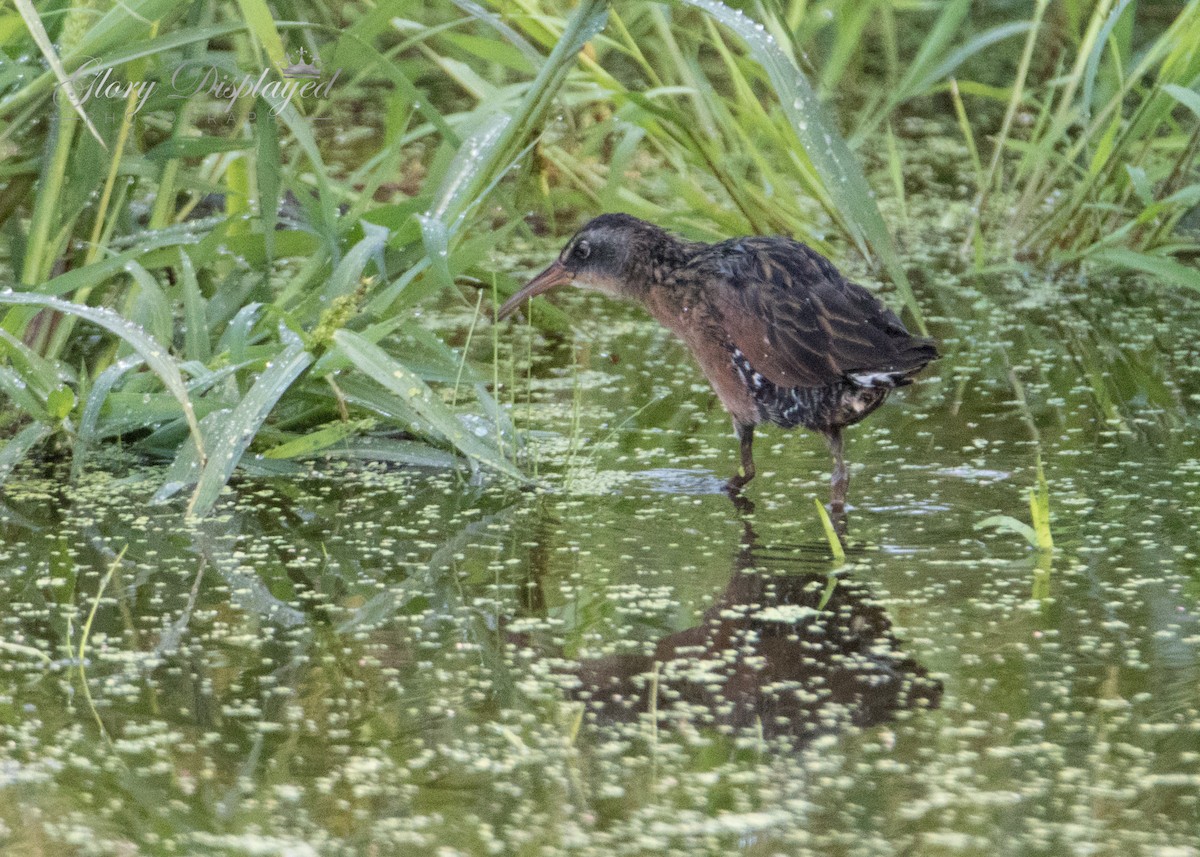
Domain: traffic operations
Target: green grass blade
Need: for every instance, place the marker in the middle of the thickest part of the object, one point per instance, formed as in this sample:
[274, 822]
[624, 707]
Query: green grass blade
[260, 22]
[196, 345]
[155, 355]
[587, 20]
[436, 238]
[1093, 61]
[347, 275]
[1039, 510]
[960, 55]
[124, 23]
[121, 25]
[1187, 97]
[924, 68]
[831, 534]
[92, 406]
[393, 450]
[238, 428]
[41, 374]
[363, 393]
[185, 467]
[896, 172]
[150, 308]
[98, 272]
[302, 135]
[17, 448]
[818, 133]
[1018, 89]
[267, 170]
[399, 380]
[308, 445]
[1010, 524]
[471, 165]
[1162, 267]
[42, 39]
[16, 387]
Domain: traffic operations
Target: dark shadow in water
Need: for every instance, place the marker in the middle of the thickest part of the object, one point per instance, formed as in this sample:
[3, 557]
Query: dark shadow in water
[783, 650]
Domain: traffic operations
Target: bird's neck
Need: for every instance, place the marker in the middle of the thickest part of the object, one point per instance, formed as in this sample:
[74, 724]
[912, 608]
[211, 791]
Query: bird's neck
[651, 263]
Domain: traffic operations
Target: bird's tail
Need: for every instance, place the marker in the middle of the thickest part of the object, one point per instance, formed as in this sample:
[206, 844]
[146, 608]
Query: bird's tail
[911, 358]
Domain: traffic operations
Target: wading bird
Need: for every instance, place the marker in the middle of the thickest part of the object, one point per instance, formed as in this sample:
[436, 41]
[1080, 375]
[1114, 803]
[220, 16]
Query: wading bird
[780, 334]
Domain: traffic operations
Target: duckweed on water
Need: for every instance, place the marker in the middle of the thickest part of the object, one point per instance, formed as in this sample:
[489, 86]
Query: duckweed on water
[381, 659]
[370, 658]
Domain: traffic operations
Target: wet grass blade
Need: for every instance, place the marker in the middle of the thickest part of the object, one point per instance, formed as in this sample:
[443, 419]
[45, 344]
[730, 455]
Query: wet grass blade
[348, 274]
[818, 133]
[196, 345]
[92, 407]
[397, 451]
[1160, 267]
[317, 441]
[16, 387]
[125, 23]
[831, 533]
[235, 432]
[155, 355]
[482, 160]
[401, 381]
[436, 238]
[18, 447]
[260, 22]
[1039, 510]
[34, 24]
[42, 375]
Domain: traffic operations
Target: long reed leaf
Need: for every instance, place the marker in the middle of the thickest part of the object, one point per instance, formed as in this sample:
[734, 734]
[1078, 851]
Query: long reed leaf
[34, 24]
[155, 355]
[818, 133]
[238, 428]
[587, 20]
[399, 380]
[18, 447]
[260, 22]
[1162, 267]
[87, 434]
[120, 25]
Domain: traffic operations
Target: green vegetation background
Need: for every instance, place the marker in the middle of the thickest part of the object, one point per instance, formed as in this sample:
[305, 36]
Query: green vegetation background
[207, 278]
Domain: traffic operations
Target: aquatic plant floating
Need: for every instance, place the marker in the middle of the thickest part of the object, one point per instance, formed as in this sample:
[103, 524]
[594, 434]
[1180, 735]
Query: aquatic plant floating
[780, 334]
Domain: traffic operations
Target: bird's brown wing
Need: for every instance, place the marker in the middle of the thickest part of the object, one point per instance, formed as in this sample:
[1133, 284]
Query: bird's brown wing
[800, 323]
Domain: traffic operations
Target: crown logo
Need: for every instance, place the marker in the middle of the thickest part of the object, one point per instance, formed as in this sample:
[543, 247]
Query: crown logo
[300, 69]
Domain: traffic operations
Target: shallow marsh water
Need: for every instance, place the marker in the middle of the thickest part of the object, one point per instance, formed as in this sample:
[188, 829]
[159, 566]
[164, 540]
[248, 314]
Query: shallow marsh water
[375, 659]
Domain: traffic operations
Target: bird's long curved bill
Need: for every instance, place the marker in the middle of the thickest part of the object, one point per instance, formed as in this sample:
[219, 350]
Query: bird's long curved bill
[556, 275]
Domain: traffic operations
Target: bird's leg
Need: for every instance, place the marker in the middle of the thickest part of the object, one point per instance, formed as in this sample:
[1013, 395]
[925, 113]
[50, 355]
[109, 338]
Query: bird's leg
[745, 435]
[839, 484]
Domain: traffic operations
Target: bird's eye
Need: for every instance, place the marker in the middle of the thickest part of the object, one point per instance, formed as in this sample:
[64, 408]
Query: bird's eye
[583, 250]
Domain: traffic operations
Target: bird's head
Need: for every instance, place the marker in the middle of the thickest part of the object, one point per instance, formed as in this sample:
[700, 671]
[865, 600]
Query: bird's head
[610, 254]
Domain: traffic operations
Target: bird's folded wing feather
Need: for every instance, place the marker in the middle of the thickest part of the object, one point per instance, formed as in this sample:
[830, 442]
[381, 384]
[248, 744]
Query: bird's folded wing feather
[800, 323]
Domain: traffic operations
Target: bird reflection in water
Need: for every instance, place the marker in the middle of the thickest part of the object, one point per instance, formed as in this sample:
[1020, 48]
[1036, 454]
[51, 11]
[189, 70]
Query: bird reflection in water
[781, 651]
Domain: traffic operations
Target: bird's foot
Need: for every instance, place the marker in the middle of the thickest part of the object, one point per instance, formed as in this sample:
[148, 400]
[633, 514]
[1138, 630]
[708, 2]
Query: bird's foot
[743, 504]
